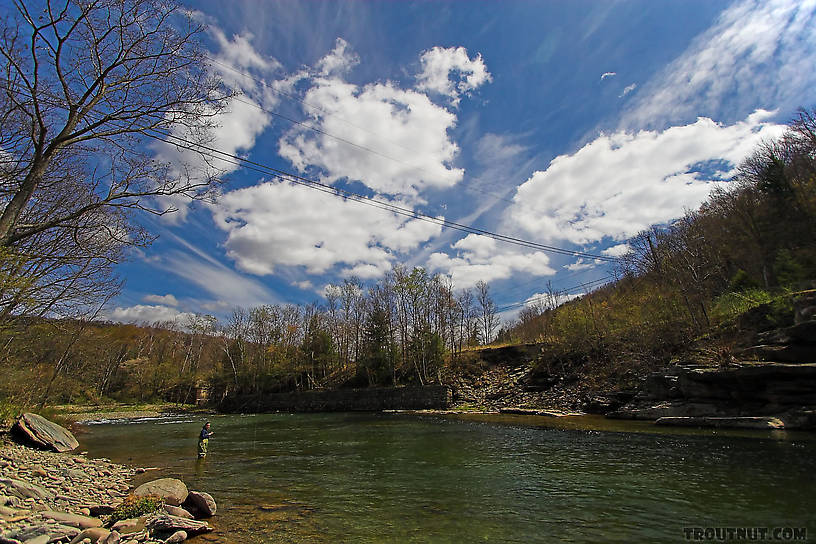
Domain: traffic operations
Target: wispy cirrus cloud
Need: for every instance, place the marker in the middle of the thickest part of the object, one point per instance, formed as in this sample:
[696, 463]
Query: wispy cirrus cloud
[759, 54]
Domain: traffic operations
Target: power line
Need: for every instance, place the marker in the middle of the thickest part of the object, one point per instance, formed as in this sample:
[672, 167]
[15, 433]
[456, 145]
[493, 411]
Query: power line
[586, 285]
[230, 158]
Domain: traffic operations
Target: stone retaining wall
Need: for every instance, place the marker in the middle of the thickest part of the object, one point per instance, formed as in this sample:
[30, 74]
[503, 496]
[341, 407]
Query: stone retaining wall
[429, 397]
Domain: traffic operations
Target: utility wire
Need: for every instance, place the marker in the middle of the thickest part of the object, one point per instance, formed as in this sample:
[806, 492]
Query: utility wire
[590, 284]
[218, 154]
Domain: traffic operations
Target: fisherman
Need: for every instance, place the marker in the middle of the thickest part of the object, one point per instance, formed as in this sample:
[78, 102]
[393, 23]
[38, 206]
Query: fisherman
[204, 439]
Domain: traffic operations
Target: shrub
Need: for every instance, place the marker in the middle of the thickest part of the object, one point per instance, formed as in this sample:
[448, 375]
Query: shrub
[133, 507]
[728, 306]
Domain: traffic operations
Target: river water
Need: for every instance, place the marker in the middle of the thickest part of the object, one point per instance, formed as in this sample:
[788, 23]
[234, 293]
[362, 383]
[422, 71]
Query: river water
[328, 478]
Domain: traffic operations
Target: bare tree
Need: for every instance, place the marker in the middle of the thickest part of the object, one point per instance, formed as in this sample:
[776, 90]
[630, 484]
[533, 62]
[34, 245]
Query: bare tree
[96, 79]
[488, 320]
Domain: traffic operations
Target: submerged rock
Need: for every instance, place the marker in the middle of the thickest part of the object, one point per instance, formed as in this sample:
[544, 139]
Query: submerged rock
[45, 434]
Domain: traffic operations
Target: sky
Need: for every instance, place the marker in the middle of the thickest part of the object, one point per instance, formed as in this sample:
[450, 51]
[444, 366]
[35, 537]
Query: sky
[571, 124]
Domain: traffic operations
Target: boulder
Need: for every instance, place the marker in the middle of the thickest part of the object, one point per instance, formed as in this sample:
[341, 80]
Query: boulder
[178, 511]
[200, 504]
[74, 520]
[175, 538]
[45, 434]
[25, 490]
[167, 523]
[172, 490]
[94, 534]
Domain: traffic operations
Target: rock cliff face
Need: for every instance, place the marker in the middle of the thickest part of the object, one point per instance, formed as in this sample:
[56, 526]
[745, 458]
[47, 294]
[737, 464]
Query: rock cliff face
[779, 382]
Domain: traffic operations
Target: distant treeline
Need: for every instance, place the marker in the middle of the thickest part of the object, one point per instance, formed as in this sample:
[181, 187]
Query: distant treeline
[397, 331]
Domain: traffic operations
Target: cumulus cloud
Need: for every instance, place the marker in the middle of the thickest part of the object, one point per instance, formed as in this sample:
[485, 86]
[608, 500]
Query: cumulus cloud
[279, 224]
[397, 144]
[142, 313]
[618, 250]
[619, 184]
[608, 74]
[439, 64]
[167, 300]
[478, 258]
[758, 53]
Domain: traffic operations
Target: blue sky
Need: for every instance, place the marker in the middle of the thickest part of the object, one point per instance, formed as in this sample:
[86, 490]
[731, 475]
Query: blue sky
[572, 124]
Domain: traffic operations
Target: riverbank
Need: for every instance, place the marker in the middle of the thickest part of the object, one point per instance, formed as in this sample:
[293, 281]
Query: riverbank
[55, 494]
[48, 497]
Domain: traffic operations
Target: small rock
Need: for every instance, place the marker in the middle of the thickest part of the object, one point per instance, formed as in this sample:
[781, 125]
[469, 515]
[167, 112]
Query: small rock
[94, 534]
[178, 511]
[75, 520]
[113, 538]
[175, 538]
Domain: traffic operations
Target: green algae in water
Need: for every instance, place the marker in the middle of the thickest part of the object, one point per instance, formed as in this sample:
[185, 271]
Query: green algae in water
[400, 478]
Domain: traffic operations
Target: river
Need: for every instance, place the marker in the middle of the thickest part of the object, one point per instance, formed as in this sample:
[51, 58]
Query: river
[366, 478]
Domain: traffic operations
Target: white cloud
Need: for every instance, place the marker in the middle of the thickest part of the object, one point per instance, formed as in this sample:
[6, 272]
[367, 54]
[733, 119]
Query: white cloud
[621, 183]
[760, 53]
[339, 61]
[167, 300]
[230, 288]
[628, 89]
[397, 144]
[608, 74]
[439, 63]
[278, 224]
[582, 264]
[141, 313]
[616, 251]
[236, 128]
[478, 258]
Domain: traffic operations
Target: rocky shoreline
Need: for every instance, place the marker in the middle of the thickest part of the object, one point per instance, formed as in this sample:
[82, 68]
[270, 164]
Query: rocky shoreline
[51, 497]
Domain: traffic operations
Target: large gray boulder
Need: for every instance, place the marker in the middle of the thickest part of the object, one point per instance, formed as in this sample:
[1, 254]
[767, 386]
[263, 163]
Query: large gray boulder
[45, 434]
[200, 504]
[173, 491]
